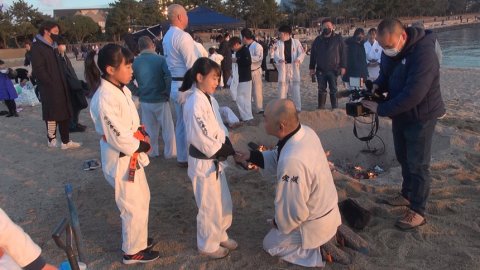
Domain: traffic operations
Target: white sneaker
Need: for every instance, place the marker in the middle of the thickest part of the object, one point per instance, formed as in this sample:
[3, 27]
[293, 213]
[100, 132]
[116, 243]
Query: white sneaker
[220, 253]
[70, 145]
[52, 143]
[230, 244]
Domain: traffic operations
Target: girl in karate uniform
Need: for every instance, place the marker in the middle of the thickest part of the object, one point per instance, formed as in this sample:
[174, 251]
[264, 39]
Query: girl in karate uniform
[209, 147]
[123, 142]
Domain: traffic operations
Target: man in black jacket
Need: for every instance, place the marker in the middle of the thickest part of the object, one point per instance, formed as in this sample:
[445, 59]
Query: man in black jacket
[409, 71]
[327, 62]
[225, 50]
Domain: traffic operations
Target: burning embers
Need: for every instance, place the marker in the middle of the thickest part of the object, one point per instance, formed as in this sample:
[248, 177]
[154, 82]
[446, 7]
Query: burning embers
[359, 172]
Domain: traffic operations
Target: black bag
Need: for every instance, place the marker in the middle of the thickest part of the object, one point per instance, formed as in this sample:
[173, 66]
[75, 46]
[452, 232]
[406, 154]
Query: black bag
[77, 93]
[356, 216]
[271, 75]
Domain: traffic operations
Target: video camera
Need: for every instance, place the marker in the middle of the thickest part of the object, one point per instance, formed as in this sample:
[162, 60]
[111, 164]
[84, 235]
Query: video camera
[357, 92]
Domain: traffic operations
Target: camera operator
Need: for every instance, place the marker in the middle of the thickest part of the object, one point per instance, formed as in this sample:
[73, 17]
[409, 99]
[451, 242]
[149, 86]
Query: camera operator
[409, 70]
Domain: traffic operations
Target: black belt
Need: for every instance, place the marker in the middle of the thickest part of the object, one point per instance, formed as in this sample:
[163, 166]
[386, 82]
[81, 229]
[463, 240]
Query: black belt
[195, 153]
[256, 69]
[177, 79]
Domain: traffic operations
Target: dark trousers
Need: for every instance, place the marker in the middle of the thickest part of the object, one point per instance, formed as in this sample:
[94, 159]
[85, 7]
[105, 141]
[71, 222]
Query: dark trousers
[11, 105]
[330, 78]
[62, 127]
[413, 143]
[74, 119]
[226, 73]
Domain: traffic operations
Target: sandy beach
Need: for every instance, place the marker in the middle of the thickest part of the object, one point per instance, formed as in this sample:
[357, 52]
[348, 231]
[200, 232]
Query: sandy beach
[33, 177]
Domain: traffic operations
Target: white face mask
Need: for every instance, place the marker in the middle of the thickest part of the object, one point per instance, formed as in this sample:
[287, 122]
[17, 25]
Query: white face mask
[393, 51]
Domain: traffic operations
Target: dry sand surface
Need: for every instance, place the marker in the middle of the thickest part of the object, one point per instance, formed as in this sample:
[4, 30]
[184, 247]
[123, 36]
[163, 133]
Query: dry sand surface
[33, 177]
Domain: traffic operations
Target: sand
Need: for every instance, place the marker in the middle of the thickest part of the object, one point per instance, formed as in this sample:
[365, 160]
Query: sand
[33, 177]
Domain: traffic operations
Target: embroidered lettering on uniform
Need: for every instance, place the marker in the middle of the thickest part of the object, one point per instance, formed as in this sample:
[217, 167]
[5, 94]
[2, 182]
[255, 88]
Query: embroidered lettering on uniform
[202, 126]
[294, 179]
[112, 127]
[285, 178]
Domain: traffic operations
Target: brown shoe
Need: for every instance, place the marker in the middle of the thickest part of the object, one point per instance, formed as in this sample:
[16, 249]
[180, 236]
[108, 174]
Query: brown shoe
[220, 253]
[398, 200]
[410, 221]
[182, 164]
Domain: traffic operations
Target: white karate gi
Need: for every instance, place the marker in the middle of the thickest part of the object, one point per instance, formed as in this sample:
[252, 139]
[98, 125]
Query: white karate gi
[289, 74]
[200, 51]
[179, 50]
[228, 116]
[256, 52]
[234, 80]
[244, 100]
[373, 52]
[18, 248]
[306, 210]
[115, 117]
[207, 133]
[218, 58]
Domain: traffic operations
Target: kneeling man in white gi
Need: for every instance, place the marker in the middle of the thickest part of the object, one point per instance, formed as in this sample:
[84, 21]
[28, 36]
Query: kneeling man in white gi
[306, 210]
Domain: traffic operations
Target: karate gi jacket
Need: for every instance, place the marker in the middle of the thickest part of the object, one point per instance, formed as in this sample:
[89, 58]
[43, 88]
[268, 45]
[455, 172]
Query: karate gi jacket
[298, 53]
[306, 197]
[115, 116]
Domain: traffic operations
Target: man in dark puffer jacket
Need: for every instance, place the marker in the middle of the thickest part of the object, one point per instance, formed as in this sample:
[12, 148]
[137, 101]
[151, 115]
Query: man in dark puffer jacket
[409, 71]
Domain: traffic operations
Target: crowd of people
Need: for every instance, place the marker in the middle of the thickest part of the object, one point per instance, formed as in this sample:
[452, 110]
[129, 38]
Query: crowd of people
[402, 62]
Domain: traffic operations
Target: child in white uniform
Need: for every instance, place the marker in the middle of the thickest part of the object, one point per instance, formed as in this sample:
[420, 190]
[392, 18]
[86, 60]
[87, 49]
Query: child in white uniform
[123, 142]
[209, 147]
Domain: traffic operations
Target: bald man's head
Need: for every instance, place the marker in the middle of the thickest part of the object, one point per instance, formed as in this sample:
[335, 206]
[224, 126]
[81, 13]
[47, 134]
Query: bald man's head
[177, 15]
[281, 117]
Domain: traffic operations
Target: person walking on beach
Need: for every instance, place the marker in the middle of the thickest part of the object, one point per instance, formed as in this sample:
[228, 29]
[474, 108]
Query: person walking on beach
[179, 50]
[123, 147]
[410, 73]
[154, 86]
[327, 62]
[306, 203]
[52, 85]
[288, 56]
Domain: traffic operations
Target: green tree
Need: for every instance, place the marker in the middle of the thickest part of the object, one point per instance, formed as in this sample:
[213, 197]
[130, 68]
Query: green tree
[24, 18]
[5, 26]
[79, 27]
[122, 18]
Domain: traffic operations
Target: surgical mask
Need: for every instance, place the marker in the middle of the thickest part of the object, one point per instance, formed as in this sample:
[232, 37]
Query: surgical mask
[393, 51]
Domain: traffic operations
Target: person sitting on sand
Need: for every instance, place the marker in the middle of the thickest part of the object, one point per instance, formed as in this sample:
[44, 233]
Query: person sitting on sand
[306, 211]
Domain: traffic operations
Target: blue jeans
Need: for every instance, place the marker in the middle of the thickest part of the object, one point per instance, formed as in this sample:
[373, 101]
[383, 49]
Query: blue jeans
[329, 77]
[180, 132]
[413, 143]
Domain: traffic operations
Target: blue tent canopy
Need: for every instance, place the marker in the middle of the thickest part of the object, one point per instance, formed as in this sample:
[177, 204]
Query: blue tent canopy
[203, 18]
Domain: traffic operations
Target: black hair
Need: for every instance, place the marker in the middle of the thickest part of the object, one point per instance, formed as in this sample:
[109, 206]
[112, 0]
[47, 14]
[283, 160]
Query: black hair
[285, 29]
[247, 33]
[110, 55]
[372, 30]
[389, 25]
[47, 25]
[327, 20]
[358, 31]
[219, 39]
[233, 41]
[204, 66]
[211, 50]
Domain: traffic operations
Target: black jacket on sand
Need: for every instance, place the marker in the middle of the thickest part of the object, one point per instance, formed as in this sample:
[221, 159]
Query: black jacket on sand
[328, 54]
[356, 60]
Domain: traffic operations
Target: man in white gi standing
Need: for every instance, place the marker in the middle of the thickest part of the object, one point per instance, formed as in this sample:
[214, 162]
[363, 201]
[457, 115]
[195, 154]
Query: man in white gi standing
[154, 86]
[288, 56]
[306, 211]
[256, 53]
[373, 50]
[179, 50]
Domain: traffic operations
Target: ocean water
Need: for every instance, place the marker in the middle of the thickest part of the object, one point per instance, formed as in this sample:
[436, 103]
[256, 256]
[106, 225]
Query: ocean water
[461, 47]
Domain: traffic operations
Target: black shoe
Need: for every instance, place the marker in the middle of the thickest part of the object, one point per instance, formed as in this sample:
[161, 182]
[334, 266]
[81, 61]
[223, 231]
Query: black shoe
[149, 243]
[141, 257]
[12, 114]
[81, 126]
[182, 164]
[261, 112]
[77, 129]
[3, 113]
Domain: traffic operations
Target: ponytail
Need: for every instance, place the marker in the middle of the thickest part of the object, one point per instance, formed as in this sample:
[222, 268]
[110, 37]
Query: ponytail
[188, 81]
[204, 66]
[92, 73]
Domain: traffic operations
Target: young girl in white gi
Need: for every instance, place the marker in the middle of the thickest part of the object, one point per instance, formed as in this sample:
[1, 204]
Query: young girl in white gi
[209, 147]
[116, 121]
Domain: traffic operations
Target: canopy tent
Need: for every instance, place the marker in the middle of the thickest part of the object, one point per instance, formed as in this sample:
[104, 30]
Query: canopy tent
[199, 19]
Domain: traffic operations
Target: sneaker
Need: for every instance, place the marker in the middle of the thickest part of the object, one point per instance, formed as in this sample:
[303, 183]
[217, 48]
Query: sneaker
[12, 114]
[398, 200]
[52, 143]
[86, 165]
[94, 164]
[220, 253]
[230, 244]
[410, 221]
[150, 243]
[182, 164]
[70, 145]
[78, 128]
[141, 257]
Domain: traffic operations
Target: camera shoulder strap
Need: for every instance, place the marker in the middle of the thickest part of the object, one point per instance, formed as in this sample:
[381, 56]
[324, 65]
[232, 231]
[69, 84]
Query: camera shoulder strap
[373, 131]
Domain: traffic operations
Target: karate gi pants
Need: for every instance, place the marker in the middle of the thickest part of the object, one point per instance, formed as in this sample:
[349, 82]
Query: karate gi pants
[214, 210]
[180, 133]
[133, 200]
[154, 116]
[373, 72]
[290, 86]
[289, 248]
[257, 90]
[244, 100]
